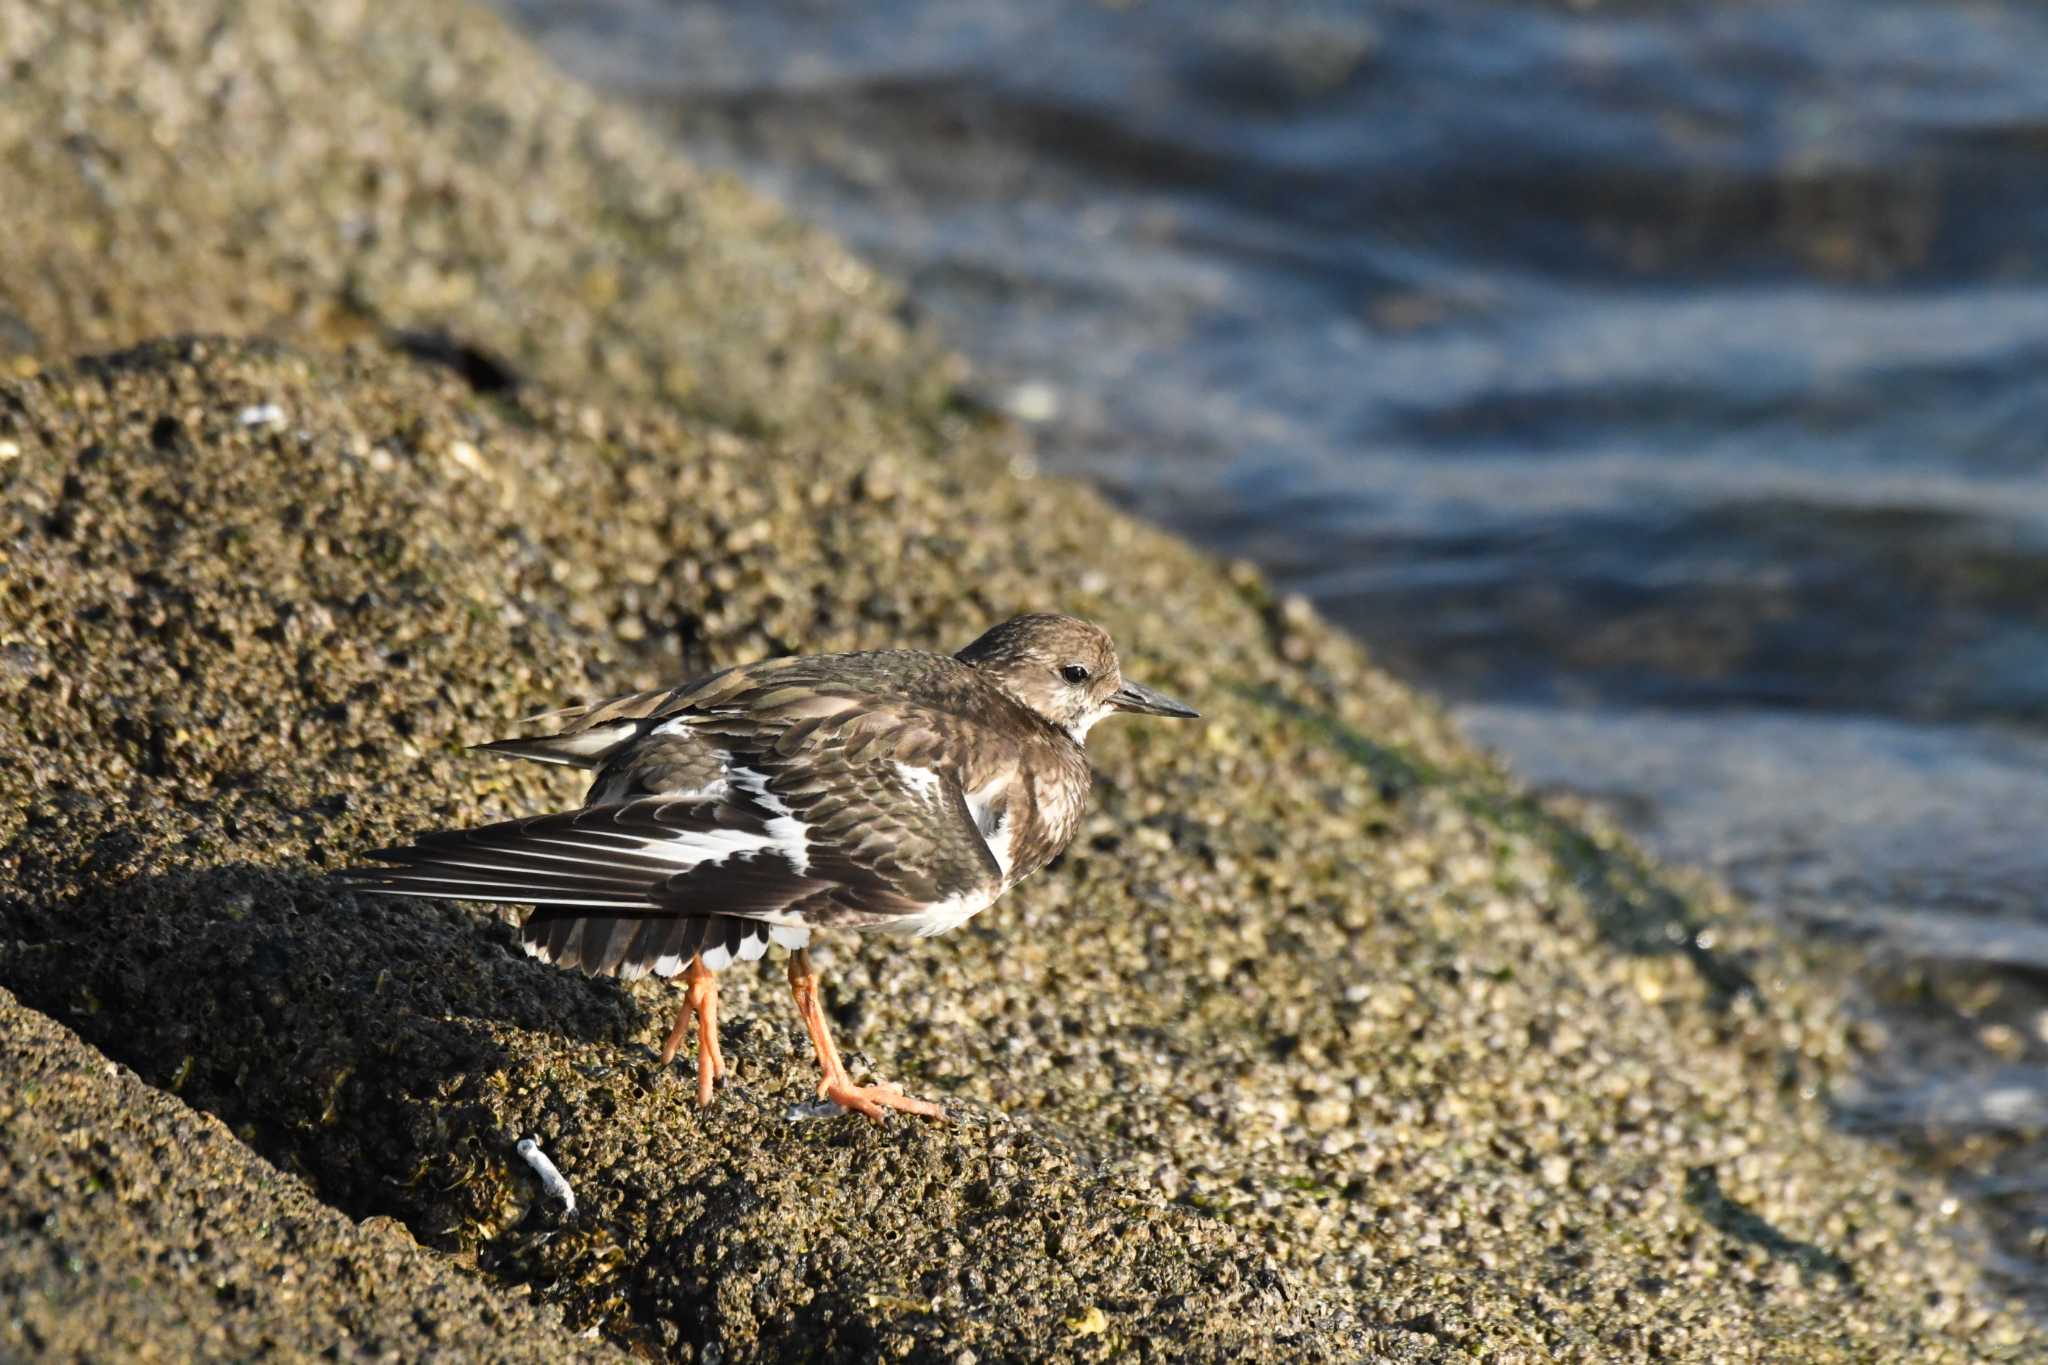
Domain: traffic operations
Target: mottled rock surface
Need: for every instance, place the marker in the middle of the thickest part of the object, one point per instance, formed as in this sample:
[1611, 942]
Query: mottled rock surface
[133, 1228]
[1324, 1041]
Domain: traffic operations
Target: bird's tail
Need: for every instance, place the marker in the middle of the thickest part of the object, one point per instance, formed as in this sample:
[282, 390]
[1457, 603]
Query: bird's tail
[616, 888]
[631, 946]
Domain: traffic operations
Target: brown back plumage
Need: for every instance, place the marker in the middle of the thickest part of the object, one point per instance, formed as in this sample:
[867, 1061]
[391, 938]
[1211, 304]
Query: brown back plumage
[893, 788]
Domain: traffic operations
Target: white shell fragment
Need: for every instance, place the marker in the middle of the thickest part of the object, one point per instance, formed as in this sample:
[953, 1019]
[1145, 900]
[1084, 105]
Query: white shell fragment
[551, 1179]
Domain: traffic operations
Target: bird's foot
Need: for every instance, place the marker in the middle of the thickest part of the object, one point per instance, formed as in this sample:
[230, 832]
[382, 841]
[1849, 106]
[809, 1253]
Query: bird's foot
[700, 1002]
[874, 1100]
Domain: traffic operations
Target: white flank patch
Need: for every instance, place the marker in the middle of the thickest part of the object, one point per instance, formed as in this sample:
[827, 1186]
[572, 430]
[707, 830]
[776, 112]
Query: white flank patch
[981, 799]
[786, 834]
[998, 841]
[922, 782]
[790, 936]
[994, 827]
[937, 919]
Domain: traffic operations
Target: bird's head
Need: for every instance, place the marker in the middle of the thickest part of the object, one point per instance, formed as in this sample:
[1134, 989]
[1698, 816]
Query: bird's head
[1065, 670]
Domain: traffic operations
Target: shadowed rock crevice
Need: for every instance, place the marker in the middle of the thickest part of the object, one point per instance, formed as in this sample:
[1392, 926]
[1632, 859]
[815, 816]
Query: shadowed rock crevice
[125, 1216]
[328, 1032]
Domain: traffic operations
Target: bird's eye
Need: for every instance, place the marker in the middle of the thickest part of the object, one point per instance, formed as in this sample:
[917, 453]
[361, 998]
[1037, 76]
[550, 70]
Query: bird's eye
[1074, 673]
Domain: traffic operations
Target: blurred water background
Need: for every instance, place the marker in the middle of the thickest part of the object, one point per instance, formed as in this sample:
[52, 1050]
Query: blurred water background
[1665, 384]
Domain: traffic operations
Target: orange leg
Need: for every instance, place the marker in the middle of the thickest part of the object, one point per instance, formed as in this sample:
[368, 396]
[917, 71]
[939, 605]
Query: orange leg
[700, 1001]
[838, 1087]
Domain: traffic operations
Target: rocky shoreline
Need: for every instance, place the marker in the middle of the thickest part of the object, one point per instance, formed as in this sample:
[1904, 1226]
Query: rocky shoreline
[373, 386]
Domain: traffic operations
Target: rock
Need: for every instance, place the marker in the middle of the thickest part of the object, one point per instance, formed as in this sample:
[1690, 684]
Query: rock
[132, 1227]
[1374, 1016]
[273, 646]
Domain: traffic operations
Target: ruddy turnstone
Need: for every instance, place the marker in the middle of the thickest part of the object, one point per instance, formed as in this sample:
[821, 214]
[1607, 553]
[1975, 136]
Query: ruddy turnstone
[896, 790]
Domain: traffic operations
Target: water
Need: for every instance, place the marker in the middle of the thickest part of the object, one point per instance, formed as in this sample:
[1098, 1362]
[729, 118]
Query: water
[1665, 384]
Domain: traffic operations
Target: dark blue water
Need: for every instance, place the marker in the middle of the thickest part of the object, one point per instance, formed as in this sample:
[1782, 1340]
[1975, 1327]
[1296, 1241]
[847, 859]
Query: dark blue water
[1667, 384]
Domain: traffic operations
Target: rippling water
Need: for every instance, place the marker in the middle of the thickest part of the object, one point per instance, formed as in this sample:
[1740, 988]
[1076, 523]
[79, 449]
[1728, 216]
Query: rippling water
[1666, 384]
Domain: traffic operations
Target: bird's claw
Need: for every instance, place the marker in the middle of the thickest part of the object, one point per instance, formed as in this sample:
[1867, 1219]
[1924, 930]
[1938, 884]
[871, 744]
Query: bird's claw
[875, 1100]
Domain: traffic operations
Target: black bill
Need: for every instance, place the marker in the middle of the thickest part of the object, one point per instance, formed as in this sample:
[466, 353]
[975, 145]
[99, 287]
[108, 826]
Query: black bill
[1138, 698]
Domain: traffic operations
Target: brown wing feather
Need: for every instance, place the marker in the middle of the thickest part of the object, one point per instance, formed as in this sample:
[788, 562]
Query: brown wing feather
[892, 838]
[828, 746]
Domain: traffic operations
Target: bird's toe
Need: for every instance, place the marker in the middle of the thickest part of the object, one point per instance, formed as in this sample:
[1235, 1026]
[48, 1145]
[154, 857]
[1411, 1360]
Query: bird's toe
[875, 1100]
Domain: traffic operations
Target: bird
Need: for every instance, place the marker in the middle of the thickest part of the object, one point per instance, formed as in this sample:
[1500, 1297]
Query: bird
[895, 791]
